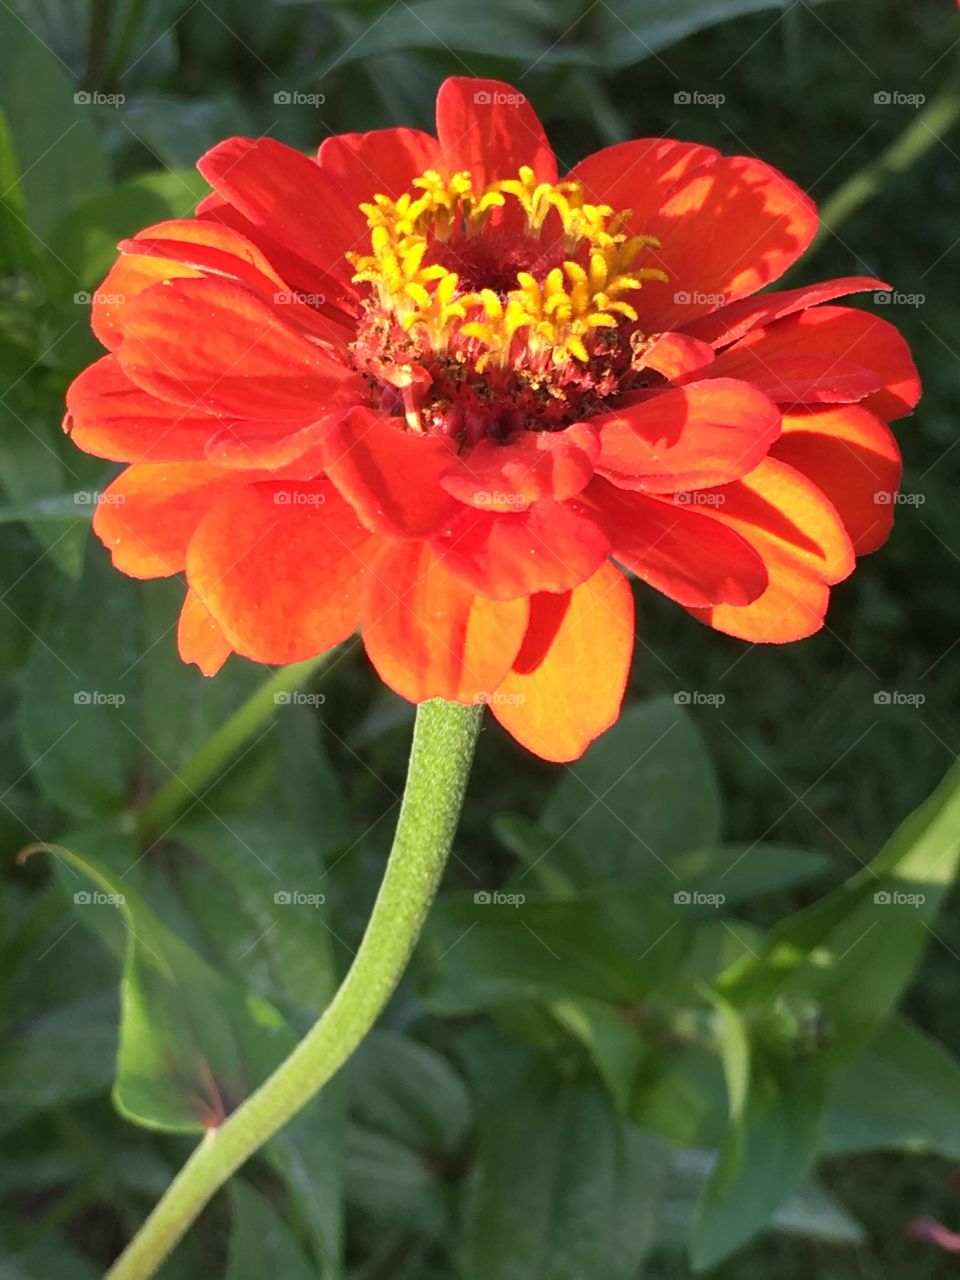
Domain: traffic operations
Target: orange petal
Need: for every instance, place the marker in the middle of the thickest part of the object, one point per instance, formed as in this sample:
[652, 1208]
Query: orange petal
[803, 543]
[637, 175]
[725, 229]
[108, 415]
[835, 334]
[429, 635]
[199, 637]
[216, 345]
[567, 683]
[529, 466]
[148, 515]
[551, 546]
[690, 437]
[381, 162]
[490, 129]
[280, 566]
[853, 456]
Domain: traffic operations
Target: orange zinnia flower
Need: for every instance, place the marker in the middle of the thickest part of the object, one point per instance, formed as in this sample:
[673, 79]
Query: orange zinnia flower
[428, 388]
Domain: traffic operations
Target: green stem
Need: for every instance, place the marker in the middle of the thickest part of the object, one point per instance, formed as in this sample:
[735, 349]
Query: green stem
[928, 127]
[164, 807]
[440, 759]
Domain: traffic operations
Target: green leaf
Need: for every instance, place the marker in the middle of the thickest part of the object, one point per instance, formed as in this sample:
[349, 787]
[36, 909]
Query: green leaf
[496, 28]
[261, 1243]
[61, 1056]
[563, 1188]
[394, 1185]
[409, 1091]
[902, 1092]
[744, 871]
[86, 240]
[58, 148]
[609, 946]
[765, 1157]
[615, 1046]
[192, 1045]
[79, 711]
[642, 795]
[854, 953]
[810, 1212]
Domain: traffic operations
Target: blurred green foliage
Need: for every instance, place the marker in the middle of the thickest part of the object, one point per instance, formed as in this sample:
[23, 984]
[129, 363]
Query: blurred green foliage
[596, 1067]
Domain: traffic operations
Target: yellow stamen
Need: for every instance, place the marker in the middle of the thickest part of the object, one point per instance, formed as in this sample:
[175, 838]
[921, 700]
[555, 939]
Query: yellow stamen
[558, 313]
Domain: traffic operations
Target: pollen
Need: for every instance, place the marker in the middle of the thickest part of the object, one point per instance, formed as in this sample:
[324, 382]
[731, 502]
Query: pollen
[523, 274]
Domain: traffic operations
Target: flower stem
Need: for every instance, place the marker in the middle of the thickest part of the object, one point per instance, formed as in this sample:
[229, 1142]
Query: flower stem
[440, 759]
[163, 808]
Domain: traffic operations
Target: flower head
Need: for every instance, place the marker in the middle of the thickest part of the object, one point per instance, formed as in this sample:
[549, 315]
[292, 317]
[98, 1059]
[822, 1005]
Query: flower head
[427, 388]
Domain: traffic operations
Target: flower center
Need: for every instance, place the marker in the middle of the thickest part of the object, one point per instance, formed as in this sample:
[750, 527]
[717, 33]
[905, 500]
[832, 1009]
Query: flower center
[495, 306]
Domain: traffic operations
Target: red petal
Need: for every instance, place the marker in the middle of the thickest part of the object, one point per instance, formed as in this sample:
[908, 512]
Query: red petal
[689, 437]
[804, 546]
[726, 229]
[388, 474]
[428, 635]
[490, 129]
[264, 446]
[280, 565]
[287, 195]
[638, 174]
[837, 333]
[384, 161]
[675, 356]
[679, 549]
[568, 680]
[111, 417]
[732, 322]
[852, 455]
[126, 279]
[199, 637]
[302, 277]
[213, 249]
[548, 547]
[148, 515]
[800, 379]
[530, 466]
[216, 345]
